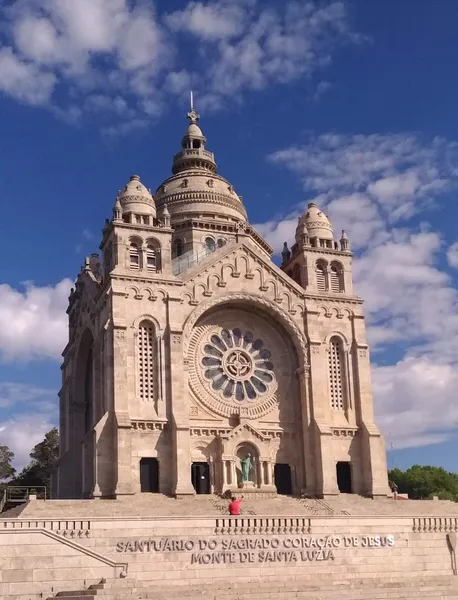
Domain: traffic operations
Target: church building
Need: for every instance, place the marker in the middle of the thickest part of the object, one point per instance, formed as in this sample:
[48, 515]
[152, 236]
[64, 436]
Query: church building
[191, 350]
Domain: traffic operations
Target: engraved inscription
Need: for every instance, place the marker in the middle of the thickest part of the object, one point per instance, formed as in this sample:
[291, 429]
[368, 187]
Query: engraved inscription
[246, 550]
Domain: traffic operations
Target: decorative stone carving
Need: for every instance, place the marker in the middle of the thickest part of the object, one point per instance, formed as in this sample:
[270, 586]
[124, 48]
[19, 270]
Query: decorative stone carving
[176, 339]
[344, 432]
[298, 338]
[148, 425]
[238, 365]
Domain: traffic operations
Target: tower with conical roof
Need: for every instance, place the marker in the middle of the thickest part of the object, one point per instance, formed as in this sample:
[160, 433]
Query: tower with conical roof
[317, 261]
[205, 210]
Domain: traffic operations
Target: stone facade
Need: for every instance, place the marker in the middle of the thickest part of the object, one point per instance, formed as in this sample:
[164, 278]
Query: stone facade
[190, 349]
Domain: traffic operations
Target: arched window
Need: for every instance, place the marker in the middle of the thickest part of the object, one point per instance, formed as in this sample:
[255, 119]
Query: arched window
[134, 255]
[210, 244]
[177, 248]
[221, 242]
[335, 277]
[151, 258]
[336, 374]
[321, 277]
[146, 361]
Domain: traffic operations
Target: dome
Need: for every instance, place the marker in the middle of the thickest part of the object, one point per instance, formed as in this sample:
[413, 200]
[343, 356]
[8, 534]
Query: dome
[195, 188]
[136, 198]
[317, 223]
[194, 130]
[200, 192]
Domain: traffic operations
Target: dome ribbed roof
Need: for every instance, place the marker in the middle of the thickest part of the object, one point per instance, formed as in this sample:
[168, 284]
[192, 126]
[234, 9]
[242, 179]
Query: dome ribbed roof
[136, 198]
[195, 189]
[317, 223]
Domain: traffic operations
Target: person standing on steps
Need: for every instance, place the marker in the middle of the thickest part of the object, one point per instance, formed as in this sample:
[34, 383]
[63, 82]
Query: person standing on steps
[234, 505]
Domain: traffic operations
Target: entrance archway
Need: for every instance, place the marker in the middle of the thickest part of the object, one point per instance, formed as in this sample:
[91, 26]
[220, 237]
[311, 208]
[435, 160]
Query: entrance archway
[200, 477]
[344, 483]
[149, 475]
[282, 476]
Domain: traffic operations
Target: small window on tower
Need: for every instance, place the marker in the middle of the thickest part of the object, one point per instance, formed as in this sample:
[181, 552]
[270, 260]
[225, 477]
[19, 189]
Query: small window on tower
[134, 256]
[177, 248]
[321, 278]
[210, 244]
[151, 258]
[336, 373]
[196, 144]
[335, 276]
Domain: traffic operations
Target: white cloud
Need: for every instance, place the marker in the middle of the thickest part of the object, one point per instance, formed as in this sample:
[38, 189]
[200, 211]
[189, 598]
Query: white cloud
[211, 21]
[73, 55]
[452, 255]
[109, 47]
[416, 401]
[25, 315]
[250, 45]
[22, 433]
[13, 394]
[23, 80]
[372, 186]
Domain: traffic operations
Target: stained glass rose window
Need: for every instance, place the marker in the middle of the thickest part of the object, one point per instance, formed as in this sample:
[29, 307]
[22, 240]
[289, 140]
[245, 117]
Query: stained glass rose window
[237, 364]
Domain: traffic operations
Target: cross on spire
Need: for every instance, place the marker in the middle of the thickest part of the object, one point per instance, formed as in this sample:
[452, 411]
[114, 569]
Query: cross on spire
[192, 114]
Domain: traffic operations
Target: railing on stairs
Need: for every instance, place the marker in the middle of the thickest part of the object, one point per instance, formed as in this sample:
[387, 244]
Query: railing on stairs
[189, 259]
[328, 509]
[21, 493]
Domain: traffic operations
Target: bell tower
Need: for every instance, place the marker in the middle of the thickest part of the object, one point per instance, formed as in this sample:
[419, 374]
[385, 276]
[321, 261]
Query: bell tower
[340, 379]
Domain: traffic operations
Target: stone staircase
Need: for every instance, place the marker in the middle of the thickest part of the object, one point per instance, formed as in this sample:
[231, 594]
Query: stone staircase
[434, 588]
[159, 505]
[360, 506]
[91, 592]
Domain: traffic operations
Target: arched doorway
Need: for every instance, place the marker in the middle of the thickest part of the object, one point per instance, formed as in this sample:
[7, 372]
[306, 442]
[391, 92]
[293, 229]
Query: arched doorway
[200, 477]
[149, 475]
[344, 483]
[282, 477]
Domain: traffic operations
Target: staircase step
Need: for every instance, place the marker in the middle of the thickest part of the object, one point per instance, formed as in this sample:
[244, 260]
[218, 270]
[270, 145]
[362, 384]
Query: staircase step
[78, 593]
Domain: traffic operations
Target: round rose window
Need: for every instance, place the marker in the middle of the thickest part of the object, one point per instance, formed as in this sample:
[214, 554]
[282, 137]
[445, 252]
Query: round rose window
[237, 364]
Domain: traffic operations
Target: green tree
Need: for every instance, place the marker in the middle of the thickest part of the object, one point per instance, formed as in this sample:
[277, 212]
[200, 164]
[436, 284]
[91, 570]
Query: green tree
[421, 482]
[44, 456]
[6, 468]
[46, 452]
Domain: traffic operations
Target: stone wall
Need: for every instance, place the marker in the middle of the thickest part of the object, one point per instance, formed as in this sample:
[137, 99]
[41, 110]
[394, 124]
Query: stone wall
[44, 556]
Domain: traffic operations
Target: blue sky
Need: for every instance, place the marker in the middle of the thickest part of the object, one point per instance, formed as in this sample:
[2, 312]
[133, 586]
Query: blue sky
[351, 104]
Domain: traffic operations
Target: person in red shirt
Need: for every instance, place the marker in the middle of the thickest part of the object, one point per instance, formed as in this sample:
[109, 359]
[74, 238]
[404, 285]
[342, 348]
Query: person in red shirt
[234, 505]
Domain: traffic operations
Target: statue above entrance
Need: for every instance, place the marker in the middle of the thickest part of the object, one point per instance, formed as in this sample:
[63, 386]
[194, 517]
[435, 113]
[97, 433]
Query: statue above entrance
[246, 464]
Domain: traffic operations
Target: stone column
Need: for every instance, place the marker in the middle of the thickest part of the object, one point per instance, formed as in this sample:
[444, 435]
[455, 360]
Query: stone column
[234, 482]
[309, 456]
[269, 473]
[120, 397]
[212, 474]
[372, 445]
[182, 485]
[325, 480]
